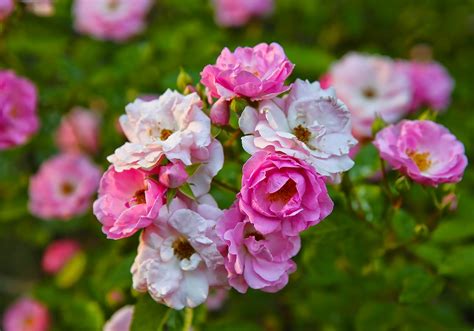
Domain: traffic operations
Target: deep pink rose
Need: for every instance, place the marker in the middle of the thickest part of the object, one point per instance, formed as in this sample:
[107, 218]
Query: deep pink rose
[220, 112]
[128, 201]
[257, 73]
[18, 118]
[116, 20]
[173, 174]
[282, 193]
[253, 259]
[26, 315]
[58, 254]
[6, 8]
[424, 151]
[79, 131]
[239, 12]
[430, 82]
[63, 187]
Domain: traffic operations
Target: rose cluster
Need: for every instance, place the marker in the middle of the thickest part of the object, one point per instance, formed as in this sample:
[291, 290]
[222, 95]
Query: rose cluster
[159, 180]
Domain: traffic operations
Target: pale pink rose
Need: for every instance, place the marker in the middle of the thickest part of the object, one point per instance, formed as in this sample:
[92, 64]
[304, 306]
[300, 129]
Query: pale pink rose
[178, 258]
[173, 175]
[371, 86]
[58, 254]
[79, 131]
[6, 8]
[40, 7]
[121, 320]
[282, 193]
[63, 187]
[430, 82]
[256, 73]
[116, 20]
[310, 124]
[216, 299]
[128, 201]
[424, 151]
[252, 259]
[239, 12]
[220, 112]
[26, 315]
[18, 117]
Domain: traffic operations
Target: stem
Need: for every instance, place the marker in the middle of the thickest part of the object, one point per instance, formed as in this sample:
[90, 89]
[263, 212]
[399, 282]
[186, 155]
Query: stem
[386, 185]
[232, 138]
[188, 319]
[225, 186]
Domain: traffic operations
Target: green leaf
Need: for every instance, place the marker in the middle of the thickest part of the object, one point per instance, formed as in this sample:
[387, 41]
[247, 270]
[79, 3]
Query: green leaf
[237, 105]
[190, 170]
[453, 231]
[149, 315]
[404, 225]
[72, 271]
[186, 190]
[170, 194]
[419, 287]
[460, 262]
[183, 80]
[81, 314]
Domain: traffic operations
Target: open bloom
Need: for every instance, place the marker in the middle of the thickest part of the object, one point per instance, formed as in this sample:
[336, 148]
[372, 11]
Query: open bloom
[6, 8]
[26, 315]
[239, 12]
[63, 187]
[371, 86]
[128, 201]
[253, 259]
[431, 84]
[18, 118]
[116, 20]
[178, 259]
[310, 124]
[282, 193]
[58, 254]
[424, 151]
[121, 320]
[79, 131]
[257, 73]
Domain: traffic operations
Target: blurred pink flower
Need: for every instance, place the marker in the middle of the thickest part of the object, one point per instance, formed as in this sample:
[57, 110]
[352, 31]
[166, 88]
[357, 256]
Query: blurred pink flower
[18, 117]
[217, 298]
[257, 73]
[121, 320]
[371, 86]
[58, 254]
[424, 151]
[178, 258]
[41, 7]
[310, 124]
[431, 84]
[173, 175]
[26, 315]
[239, 12]
[253, 259]
[282, 193]
[6, 8]
[79, 131]
[63, 187]
[116, 20]
[128, 201]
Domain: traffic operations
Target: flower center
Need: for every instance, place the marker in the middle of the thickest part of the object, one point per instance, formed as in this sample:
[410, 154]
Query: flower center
[422, 160]
[67, 188]
[284, 194]
[113, 4]
[249, 231]
[369, 92]
[182, 248]
[139, 197]
[302, 134]
[165, 133]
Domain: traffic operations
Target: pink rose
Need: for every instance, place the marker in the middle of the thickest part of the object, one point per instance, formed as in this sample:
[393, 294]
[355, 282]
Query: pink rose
[79, 131]
[253, 259]
[58, 254]
[18, 117]
[26, 314]
[256, 73]
[370, 86]
[121, 320]
[217, 298]
[424, 151]
[63, 187]
[6, 8]
[430, 82]
[282, 193]
[173, 175]
[220, 112]
[239, 12]
[116, 20]
[128, 201]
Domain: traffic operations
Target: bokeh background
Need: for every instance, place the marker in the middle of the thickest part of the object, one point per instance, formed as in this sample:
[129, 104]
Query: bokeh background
[349, 277]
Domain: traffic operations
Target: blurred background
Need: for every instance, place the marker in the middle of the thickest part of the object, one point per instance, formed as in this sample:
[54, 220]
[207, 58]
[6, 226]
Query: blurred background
[344, 281]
